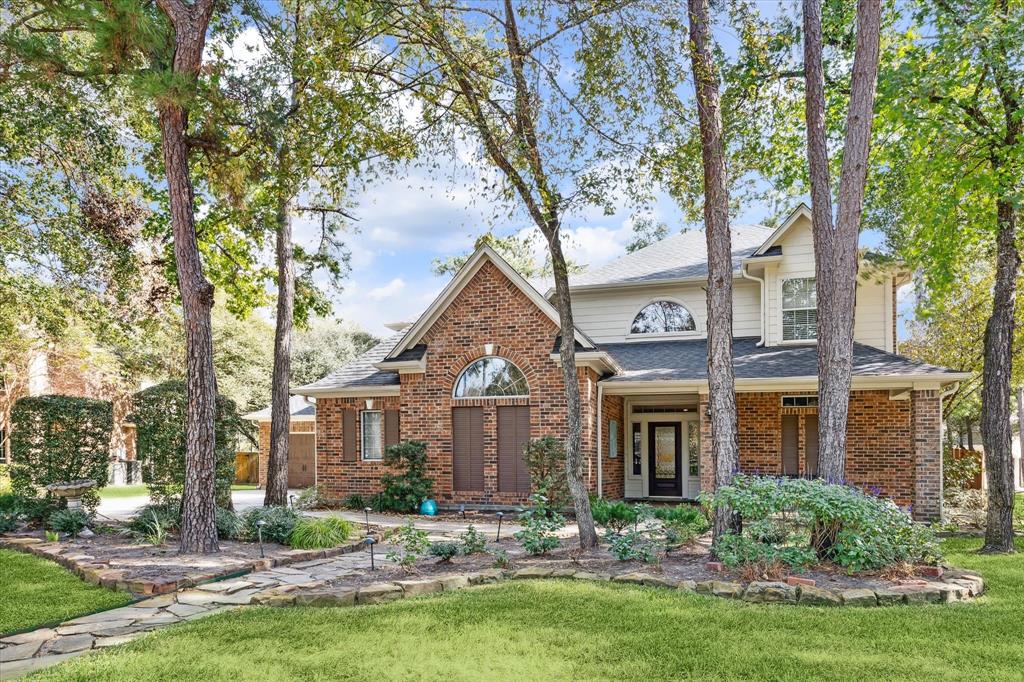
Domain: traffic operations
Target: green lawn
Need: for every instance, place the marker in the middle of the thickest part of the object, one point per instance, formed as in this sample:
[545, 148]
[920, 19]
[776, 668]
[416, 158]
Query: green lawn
[559, 630]
[115, 491]
[36, 592]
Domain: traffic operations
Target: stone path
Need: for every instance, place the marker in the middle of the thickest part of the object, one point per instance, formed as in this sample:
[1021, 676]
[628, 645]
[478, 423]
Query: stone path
[29, 651]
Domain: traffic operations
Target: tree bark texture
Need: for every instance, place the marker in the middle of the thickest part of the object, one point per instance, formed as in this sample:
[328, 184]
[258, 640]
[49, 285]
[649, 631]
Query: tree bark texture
[721, 377]
[1020, 433]
[280, 416]
[996, 433]
[836, 253]
[198, 505]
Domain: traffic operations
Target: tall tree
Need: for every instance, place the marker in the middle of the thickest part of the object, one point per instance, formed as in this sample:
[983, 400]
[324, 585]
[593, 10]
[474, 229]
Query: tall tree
[721, 376]
[835, 247]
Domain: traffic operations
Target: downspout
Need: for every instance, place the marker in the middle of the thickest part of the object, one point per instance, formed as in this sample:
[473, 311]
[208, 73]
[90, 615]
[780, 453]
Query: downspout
[600, 469]
[760, 281]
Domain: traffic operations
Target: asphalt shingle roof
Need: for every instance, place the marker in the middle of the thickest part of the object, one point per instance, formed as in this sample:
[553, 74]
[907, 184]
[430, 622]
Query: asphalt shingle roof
[688, 360]
[360, 371]
[680, 256]
[298, 406]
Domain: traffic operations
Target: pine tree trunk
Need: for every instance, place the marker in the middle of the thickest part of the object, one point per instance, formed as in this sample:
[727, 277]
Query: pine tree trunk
[996, 433]
[574, 427]
[198, 505]
[836, 254]
[721, 378]
[1020, 435]
[280, 417]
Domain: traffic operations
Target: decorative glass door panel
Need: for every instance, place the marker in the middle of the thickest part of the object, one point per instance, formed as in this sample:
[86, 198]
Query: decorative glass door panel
[665, 466]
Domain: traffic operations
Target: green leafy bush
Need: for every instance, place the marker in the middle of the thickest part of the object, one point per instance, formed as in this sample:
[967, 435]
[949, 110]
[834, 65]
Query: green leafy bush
[355, 502]
[159, 414]
[409, 544]
[8, 521]
[68, 521]
[792, 519]
[472, 541]
[228, 524]
[501, 559]
[403, 492]
[313, 497]
[32, 509]
[958, 472]
[56, 439]
[682, 513]
[614, 515]
[632, 545]
[742, 550]
[445, 551]
[280, 522]
[540, 521]
[312, 533]
[167, 515]
[545, 460]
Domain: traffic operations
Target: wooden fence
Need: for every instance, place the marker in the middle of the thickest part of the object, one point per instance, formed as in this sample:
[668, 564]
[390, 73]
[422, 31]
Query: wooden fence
[247, 467]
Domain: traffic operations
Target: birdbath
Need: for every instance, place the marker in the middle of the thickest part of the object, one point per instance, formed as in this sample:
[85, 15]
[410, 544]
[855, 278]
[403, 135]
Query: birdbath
[72, 491]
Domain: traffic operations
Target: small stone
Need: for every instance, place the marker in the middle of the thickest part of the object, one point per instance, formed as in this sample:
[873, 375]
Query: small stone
[704, 587]
[687, 586]
[726, 589]
[795, 580]
[279, 600]
[759, 592]
[379, 593]
[563, 572]
[86, 533]
[889, 597]
[859, 597]
[321, 598]
[635, 578]
[40, 635]
[65, 645]
[155, 602]
[930, 571]
[415, 588]
[19, 651]
[818, 596]
[454, 582]
[531, 573]
[715, 566]
[952, 593]
[487, 576]
[919, 594]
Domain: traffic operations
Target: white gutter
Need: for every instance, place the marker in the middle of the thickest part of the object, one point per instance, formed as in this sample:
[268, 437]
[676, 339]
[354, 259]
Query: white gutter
[600, 470]
[759, 280]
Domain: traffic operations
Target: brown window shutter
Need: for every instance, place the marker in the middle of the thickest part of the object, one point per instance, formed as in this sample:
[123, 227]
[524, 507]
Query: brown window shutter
[392, 428]
[513, 435]
[811, 445]
[348, 435]
[790, 444]
[468, 448]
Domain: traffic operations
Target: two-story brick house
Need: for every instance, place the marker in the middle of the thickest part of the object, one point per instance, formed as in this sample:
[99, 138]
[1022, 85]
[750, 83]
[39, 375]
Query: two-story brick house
[477, 374]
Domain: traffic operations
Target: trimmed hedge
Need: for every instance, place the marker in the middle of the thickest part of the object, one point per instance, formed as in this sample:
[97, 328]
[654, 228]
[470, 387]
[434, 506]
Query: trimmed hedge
[56, 438]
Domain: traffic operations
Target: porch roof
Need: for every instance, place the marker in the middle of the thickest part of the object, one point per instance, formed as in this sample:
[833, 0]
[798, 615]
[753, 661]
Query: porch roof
[687, 360]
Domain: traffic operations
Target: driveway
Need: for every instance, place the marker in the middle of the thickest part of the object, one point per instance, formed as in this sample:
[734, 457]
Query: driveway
[126, 507]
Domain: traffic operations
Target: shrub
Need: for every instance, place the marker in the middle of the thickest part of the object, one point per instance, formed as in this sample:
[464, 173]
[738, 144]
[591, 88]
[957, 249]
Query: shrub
[312, 497]
[501, 559]
[545, 460]
[8, 521]
[791, 519]
[56, 439]
[445, 551]
[409, 544]
[166, 515]
[355, 502]
[614, 515]
[683, 513]
[741, 550]
[280, 521]
[228, 524]
[68, 521]
[958, 472]
[311, 533]
[159, 415]
[540, 522]
[405, 491]
[633, 544]
[33, 509]
[472, 541]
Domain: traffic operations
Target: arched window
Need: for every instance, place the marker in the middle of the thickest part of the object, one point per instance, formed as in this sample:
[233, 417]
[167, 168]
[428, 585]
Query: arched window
[491, 377]
[662, 317]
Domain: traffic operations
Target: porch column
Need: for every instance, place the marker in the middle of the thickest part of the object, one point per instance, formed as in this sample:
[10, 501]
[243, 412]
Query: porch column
[926, 431]
[707, 462]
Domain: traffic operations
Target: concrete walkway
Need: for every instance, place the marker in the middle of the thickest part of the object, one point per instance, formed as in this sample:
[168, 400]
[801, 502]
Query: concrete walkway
[121, 508]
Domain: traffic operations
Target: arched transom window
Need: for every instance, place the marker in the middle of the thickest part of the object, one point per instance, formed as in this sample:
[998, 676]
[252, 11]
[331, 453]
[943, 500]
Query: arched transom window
[491, 377]
[663, 317]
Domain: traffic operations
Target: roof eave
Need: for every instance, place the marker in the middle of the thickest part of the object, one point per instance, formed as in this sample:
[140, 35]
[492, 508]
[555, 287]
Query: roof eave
[348, 391]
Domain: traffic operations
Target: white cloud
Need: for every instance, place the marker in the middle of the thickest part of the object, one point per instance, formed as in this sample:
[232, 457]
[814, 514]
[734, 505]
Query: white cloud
[389, 290]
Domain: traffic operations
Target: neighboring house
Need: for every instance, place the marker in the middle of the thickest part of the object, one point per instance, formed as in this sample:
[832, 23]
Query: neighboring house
[478, 374]
[301, 442]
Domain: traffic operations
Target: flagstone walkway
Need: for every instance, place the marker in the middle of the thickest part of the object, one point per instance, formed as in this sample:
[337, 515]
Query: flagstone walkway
[23, 653]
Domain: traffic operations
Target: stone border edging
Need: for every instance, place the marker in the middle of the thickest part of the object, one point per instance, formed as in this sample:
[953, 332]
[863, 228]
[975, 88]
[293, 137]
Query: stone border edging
[101, 574]
[956, 586]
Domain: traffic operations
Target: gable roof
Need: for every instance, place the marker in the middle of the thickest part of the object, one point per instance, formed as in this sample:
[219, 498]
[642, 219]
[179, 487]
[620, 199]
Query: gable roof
[299, 409]
[801, 211]
[482, 255]
[683, 256]
[359, 375]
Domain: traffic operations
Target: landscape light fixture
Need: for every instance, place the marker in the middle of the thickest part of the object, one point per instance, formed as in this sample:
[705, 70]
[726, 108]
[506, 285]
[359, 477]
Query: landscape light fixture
[499, 515]
[366, 512]
[370, 541]
[291, 501]
[462, 510]
[259, 535]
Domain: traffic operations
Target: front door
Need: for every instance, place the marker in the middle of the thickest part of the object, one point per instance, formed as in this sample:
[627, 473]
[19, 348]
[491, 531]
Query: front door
[665, 459]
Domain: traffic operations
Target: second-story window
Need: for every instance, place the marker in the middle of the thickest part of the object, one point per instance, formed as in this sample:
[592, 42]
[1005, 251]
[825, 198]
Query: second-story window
[799, 309]
[662, 317]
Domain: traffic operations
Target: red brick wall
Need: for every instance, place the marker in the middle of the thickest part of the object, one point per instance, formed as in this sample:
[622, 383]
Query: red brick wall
[264, 444]
[613, 470]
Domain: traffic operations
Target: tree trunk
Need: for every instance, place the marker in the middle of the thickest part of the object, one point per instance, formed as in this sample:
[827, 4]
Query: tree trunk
[970, 434]
[721, 378]
[996, 434]
[574, 428]
[1020, 436]
[198, 505]
[280, 417]
[836, 255]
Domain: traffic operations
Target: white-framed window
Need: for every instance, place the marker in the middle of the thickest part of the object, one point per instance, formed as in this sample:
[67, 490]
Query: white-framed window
[373, 441]
[799, 401]
[799, 309]
[491, 377]
[663, 317]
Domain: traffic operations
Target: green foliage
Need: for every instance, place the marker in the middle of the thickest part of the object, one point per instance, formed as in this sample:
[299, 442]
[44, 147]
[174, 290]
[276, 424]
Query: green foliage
[445, 551]
[32, 509]
[545, 460]
[633, 544]
[517, 250]
[56, 439]
[68, 521]
[958, 472]
[472, 541]
[540, 522]
[405, 491]
[324, 347]
[409, 544]
[313, 497]
[228, 524]
[8, 521]
[159, 415]
[501, 559]
[278, 526]
[165, 515]
[796, 518]
[52, 536]
[743, 550]
[314, 533]
[355, 502]
[614, 515]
